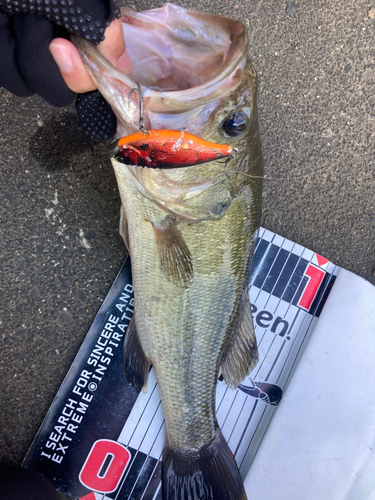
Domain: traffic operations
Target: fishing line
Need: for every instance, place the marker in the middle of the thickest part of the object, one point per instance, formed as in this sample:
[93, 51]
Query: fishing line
[266, 177]
[273, 213]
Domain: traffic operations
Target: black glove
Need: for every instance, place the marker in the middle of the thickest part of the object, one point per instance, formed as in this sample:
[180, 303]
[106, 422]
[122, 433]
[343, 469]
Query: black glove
[27, 67]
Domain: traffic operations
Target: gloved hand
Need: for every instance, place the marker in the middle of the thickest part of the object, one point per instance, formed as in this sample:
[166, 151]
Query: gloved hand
[27, 67]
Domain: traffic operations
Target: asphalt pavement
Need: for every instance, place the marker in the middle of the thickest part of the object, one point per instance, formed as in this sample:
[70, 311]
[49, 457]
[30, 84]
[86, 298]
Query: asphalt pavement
[59, 246]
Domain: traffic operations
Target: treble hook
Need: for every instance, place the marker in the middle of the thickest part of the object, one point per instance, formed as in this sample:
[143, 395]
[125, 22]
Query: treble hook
[138, 89]
[227, 160]
[141, 106]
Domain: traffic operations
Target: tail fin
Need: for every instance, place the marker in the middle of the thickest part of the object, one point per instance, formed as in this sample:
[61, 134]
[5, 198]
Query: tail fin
[208, 474]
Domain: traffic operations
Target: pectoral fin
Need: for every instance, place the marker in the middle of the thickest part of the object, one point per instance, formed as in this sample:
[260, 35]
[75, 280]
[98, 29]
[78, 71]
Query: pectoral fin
[136, 364]
[242, 353]
[174, 255]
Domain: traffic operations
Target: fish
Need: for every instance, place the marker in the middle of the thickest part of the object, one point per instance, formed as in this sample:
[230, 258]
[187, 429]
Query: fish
[190, 230]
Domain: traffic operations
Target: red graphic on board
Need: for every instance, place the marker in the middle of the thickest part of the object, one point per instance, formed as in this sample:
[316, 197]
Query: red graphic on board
[315, 276]
[321, 260]
[90, 496]
[104, 466]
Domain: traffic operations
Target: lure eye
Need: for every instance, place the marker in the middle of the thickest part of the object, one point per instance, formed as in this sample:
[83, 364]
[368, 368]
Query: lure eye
[236, 124]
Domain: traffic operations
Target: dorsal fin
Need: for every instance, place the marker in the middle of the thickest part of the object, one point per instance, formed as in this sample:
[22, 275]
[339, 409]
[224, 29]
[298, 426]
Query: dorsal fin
[174, 256]
[136, 364]
[241, 355]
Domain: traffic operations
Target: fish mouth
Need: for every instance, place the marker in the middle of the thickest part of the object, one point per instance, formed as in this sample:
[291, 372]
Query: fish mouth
[196, 51]
[194, 58]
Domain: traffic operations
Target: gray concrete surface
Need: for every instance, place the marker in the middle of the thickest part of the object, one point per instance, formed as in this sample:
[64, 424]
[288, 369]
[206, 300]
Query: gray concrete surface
[59, 246]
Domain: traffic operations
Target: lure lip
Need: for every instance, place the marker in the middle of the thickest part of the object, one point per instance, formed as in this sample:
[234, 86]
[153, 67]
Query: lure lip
[113, 148]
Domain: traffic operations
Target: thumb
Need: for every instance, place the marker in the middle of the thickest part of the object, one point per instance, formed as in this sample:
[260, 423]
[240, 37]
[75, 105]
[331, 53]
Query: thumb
[71, 66]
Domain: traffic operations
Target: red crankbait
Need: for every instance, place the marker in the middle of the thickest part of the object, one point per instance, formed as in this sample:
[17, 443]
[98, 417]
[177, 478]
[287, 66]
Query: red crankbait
[167, 149]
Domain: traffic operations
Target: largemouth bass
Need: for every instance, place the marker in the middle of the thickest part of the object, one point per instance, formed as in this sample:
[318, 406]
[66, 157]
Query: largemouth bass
[190, 231]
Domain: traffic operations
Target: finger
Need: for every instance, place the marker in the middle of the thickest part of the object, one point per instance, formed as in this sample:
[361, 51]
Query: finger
[113, 47]
[71, 66]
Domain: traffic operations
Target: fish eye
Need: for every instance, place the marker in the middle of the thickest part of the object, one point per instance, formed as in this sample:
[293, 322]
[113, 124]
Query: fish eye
[236, 124]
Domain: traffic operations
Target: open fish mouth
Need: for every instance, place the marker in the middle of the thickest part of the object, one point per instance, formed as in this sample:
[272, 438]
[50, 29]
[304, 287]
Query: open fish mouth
[195, 59]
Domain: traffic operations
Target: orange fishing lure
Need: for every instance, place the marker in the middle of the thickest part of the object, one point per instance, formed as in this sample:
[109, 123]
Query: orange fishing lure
[167, 149]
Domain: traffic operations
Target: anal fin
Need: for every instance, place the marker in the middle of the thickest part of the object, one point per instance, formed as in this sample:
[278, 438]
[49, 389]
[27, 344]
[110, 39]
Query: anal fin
[242, 353]
[174, 255]
[136, 364]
